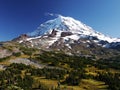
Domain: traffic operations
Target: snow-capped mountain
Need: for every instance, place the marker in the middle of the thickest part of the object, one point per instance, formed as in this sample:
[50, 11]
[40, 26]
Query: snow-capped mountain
[66, 32]
[68, 24]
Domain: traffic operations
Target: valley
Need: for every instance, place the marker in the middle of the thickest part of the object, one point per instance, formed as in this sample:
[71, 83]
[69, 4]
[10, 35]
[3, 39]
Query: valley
[47, 68]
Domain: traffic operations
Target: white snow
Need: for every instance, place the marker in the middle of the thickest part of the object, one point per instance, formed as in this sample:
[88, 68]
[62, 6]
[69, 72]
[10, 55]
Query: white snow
[54, 39]
[68, 46]
[74, 37]
[20, 41]
[69, 24]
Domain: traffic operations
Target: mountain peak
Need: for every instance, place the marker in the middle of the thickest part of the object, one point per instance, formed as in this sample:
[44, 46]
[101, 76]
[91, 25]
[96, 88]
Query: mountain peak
[69, 24]
[64, 32]
[62, 23]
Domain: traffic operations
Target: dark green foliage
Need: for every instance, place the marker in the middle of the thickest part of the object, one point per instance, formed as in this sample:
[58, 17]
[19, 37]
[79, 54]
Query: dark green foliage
[19, 66]
[75, 62]
[28, 51]
[12, 76]
[56, 58]
[112, 80]
[5, 58]
[17, 54]
[78, 64]
[26, 83]
[48, 73]
[74, 78]
[70, 70]
[109, 63]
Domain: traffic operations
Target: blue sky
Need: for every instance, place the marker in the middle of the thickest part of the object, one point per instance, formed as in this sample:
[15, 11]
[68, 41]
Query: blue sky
[23, 16]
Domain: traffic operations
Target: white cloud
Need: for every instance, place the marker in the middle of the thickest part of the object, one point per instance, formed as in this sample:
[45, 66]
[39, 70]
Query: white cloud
[51, 14]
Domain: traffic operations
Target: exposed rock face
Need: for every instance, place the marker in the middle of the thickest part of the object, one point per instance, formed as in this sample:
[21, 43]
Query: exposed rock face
[63, 34]
[67, 28]
[103, 42]
[53, 33]
[4, 53]
[21, 37]
[69, 35]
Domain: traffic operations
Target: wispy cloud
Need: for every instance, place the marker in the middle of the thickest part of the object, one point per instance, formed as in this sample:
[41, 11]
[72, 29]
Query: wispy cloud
[52, 14]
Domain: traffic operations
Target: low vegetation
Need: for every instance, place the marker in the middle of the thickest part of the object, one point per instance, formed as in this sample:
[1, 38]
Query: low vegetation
[61, 72]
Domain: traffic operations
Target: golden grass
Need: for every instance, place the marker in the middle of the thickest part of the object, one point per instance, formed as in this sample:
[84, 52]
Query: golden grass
[86, 84]
[90, 84]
